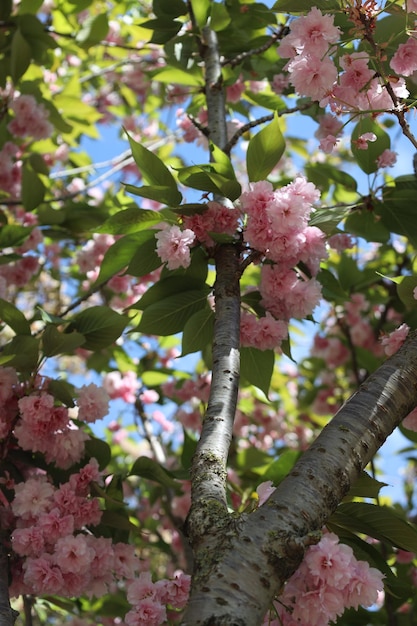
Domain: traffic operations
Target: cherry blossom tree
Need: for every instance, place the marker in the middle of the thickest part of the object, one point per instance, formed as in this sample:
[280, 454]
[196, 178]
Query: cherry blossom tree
[169, 454]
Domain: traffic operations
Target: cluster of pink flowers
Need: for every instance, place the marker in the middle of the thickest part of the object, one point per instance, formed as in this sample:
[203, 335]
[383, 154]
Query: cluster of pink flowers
[277, 226]
[54, 554]
[266, 333]
[151, 599]
[173, 246]
[10, 170]
[124, 386]
[394, 340]
[30, 118]
[312, 72]
[40, 424]
[216, 218]
[329, 580]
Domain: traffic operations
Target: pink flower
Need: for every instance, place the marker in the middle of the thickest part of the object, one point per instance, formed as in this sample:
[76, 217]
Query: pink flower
[93, 403]
[149, 396]
[173, 246]
[73, 554]
[147, 613]
[362, 142]
[404, 60]
[141, 588]
[126, 563]
[410, 421]
[43, 575]
[123, 386]
[28, 541]
[82, 480]
[8, 382]
[387, 158]
[54, 525]
[313, 32]
[395, 340]
[32, 498]
[264, 490]
[31, 118]
[411, 6]
[175, 592]
[313, 76]
[67, 447]
[328, 143]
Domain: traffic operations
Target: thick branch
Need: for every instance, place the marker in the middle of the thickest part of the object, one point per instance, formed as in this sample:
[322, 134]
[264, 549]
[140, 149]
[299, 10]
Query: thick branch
[7, 614]
[267, 546]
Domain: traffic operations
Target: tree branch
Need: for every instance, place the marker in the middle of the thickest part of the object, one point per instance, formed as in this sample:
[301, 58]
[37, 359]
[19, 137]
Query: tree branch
[267, 546]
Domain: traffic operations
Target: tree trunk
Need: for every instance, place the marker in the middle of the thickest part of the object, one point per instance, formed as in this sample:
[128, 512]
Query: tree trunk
[255, 554]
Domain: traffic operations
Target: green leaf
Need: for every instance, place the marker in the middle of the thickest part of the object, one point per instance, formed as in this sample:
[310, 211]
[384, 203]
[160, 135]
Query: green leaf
[55, 342]
[167, 287]
[100, 326]
[332, 289]
[94, 30]
[201, 11]
[121, 253]
[12, 235]
[367, 159]
[264, 151]
[302, 6]
[21, 55]
[169, 316]
[174, 8]
[363, 223]
[150, 469]
[145, 260]
[155, 172]
[176, 75]
[365, 487]
[256, 367]
[397, 210]
[188, 449]
[63, 391]
[379, 522]
[23, 351]
[405, 290]
[117, 519]
[164, 29]
[129, 221]
[100, 450]
[160, 193]
[279, 469]
[14, 318]
[206, 178]
[220, 17]
[198, 331]
[328, 219]
[33, 189]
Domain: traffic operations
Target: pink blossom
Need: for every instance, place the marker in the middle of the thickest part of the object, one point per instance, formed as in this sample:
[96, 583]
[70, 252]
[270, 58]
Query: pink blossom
[73, 554]
[43, 575]
[140, 588]
[28, 541]
[123, 386]
[8, 382]
[328, 143]
[174, 592]
[404, 60]
[264, 333]
[149, 396]
[362, 142]
[264, 490]
[234, 92]
[53, 525]
[312, 76]
[93, 403]
[82, 480]
[340, 241]
[217, 218]
[313, 32]
[67, 447]
[279, 83]
[31, 118]
[173, 246]
[394, 340]
[410, 421]
[387, 158]
[126, 563]
[411, 6]
[32, 497]
[364, 584]
[147, 613]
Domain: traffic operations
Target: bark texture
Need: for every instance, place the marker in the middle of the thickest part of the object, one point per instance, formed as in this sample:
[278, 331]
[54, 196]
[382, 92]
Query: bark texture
[7, 614]
[255, 554]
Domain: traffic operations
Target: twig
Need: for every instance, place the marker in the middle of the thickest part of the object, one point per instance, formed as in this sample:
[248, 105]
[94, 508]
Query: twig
[279, 34]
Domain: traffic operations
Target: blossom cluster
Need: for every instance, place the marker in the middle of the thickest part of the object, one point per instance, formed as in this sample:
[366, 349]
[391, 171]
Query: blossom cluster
[39, 424]
[30, 118]
[329, 580]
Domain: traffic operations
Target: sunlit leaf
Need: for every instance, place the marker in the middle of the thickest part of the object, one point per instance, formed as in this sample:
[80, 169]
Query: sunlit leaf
[264, 151]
